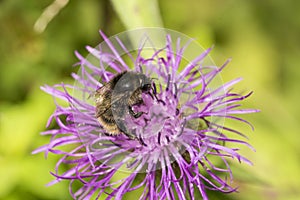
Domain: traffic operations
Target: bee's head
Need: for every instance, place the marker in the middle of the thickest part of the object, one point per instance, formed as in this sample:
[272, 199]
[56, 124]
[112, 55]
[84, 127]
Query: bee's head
[145, 82]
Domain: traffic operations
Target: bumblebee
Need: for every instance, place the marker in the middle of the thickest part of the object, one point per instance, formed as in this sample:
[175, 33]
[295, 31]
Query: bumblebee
[115, 99]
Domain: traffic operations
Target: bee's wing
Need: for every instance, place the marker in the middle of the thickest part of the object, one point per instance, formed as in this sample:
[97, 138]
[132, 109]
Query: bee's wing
[101, 96]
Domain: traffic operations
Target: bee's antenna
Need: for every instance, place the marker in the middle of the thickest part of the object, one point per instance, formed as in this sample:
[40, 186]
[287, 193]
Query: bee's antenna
[154, 94]
[154, 88]
[141, 69]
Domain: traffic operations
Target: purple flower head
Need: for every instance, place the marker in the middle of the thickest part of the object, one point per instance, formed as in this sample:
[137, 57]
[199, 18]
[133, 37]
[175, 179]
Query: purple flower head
[164, 138]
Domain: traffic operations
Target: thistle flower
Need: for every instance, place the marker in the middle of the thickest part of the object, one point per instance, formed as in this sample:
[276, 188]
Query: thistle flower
[184, 150]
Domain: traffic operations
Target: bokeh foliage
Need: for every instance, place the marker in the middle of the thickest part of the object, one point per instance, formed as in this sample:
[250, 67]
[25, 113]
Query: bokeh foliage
[262, 37]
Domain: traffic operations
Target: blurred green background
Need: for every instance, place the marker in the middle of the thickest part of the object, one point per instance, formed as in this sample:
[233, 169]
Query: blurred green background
[262, 37]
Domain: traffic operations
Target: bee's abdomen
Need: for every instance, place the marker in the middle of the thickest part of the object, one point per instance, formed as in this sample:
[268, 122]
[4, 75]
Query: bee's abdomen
[108, 123]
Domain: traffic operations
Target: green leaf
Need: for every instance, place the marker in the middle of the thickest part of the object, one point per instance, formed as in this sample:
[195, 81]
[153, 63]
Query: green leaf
[138, 13]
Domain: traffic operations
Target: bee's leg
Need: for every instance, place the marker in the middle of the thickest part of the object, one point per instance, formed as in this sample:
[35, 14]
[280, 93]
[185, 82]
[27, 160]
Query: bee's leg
[151, 95]
[107, 134]
[157, 99]
[138, 137]
[154, 93]
[130, 134]
[132, 113]
[142, 141]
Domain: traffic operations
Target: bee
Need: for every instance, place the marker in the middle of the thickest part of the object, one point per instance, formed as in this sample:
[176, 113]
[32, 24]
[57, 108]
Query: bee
[116, 98]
